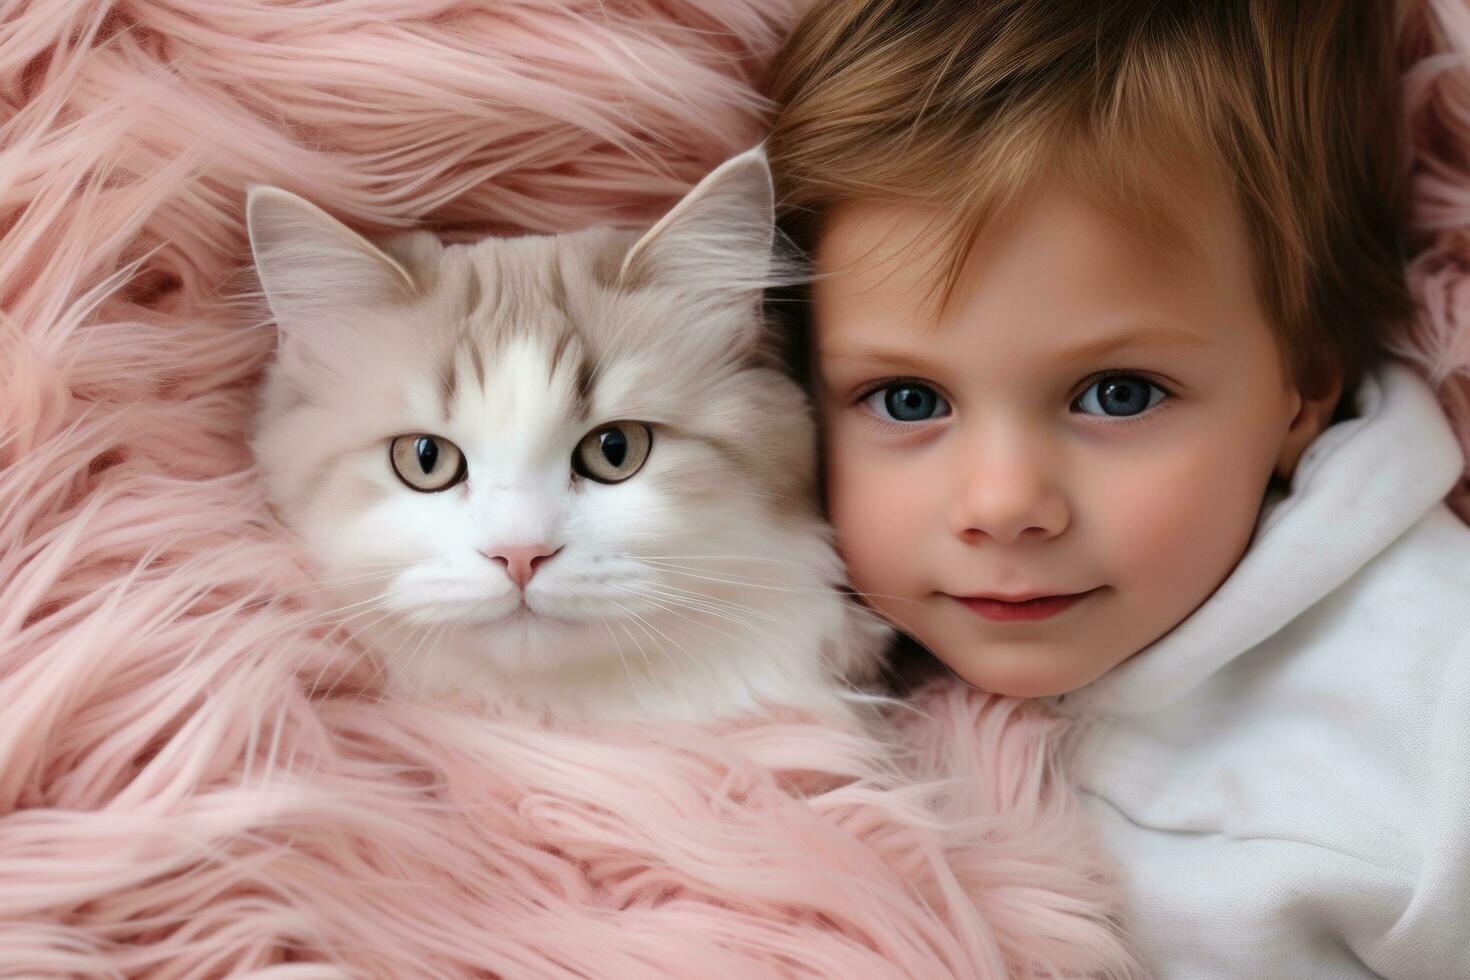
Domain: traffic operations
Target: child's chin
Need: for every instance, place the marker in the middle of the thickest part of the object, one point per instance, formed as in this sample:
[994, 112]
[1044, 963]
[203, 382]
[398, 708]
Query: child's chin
[1023, 673]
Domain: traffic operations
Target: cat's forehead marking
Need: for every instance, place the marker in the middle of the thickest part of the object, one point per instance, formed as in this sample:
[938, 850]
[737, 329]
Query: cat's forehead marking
[520, 292]
[563, 341]
[477, 359]
[449, 378]
[474, 292]
[584, 374]
[571, 339]
[607, 263]
[556, 290]
[469, 346]
[586, 380]
[553, 302]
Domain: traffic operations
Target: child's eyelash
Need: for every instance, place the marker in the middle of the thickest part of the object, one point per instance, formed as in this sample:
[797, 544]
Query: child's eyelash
[1146, 417]
[1165, 386]
[872, 387]
[882, 424]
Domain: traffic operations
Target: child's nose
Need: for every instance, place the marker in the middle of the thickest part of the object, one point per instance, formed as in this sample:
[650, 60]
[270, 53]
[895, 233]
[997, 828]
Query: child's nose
[1009, 493]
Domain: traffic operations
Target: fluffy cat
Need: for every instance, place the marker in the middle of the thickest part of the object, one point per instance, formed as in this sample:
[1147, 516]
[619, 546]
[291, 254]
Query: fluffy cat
[560, 469]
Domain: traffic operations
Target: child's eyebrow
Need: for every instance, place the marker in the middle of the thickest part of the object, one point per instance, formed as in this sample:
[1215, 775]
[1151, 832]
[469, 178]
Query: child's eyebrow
[867, 354]
[1153, 337]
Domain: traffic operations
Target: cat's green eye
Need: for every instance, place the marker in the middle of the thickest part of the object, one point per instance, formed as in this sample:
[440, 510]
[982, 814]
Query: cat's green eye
[614, 452]
[427, 463]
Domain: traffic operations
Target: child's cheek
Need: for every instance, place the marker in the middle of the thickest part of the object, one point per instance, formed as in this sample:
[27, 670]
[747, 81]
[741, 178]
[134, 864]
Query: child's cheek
[873, 508]
[1176, 529]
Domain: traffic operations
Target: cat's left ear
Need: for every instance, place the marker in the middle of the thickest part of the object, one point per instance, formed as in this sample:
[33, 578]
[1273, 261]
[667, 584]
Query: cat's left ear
[717, 239]
[313, 268]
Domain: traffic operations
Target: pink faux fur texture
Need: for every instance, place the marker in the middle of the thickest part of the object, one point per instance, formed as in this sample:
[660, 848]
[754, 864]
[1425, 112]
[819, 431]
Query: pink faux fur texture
[1435, 52]
[196, 776]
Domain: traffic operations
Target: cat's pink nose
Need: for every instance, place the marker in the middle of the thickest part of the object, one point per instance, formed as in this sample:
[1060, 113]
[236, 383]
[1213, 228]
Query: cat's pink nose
[520, 560]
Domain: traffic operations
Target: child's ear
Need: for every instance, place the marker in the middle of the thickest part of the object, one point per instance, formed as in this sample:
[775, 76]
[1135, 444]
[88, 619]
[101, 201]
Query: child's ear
[1312, 416]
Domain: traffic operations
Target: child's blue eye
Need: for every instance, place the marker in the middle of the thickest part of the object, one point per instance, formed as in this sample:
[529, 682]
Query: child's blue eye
[907, 401]
[1119, 396]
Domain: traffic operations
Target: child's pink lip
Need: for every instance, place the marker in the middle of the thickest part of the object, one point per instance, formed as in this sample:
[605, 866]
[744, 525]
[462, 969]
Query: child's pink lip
[1021, 608]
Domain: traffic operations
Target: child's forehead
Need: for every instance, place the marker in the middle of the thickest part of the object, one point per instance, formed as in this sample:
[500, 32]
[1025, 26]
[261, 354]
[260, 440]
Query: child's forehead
[896, 252]
[881, 246]
[1161, 200]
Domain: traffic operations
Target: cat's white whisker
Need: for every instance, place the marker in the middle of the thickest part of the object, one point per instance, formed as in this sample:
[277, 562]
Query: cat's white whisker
[327, 585]
[721, 601]
[647, 625]
[707, 601]
[701, 557]
[618, 646]
[828, 592]
[641, 651]
[649, 630]
[695, 603]
[322, 639]
[673, 611]
[847, 590]
[302, 624]
[365, 650]
[432, 632]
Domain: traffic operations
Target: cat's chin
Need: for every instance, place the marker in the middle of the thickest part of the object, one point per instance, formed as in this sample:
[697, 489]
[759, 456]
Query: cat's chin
[524, 639]
[526, 617]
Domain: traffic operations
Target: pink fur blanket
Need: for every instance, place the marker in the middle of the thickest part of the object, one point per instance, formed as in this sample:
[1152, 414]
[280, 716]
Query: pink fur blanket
[196, 775]
[1435, 52]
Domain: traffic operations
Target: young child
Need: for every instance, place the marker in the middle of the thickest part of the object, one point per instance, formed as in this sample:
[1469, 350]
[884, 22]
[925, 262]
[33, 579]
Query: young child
[1095, 343]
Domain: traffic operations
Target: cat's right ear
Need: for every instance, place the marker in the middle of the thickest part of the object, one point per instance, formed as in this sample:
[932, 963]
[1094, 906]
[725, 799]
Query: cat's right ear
[314, 270]
[718, 239]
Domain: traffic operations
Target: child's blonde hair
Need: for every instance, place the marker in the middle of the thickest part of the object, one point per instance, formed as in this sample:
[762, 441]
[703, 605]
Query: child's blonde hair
[1291, 106]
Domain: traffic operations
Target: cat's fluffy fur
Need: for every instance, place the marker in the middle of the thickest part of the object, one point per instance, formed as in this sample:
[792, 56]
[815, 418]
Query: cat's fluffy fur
[704, 585]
